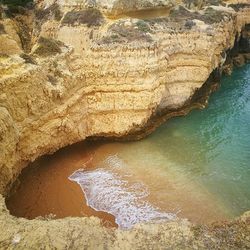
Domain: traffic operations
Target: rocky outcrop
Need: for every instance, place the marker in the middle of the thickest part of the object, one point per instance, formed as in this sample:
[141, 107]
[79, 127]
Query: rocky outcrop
[88, 233]
[78, 73]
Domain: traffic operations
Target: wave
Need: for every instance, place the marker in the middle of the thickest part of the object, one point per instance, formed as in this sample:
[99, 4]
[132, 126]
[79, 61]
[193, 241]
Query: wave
[106, 190]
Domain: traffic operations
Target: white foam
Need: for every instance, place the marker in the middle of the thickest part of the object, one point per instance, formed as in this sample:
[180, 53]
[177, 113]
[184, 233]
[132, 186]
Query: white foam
[105, 190]
[114, 162]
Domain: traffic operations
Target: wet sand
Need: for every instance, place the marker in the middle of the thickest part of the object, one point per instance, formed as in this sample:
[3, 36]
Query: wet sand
[45, 189]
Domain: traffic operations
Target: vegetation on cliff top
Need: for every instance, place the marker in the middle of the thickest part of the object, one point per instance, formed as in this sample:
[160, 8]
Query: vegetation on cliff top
[16, 2]
[2, 30]
[210, 15]
[28, 58]
[16, 7]
[53, 11]
[197, 4]
[48, 47]
[239, 6]
[90, 17]
[128, 32]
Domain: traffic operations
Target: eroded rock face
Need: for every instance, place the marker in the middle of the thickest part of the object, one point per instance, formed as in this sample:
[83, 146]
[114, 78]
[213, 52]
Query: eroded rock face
[88, 75]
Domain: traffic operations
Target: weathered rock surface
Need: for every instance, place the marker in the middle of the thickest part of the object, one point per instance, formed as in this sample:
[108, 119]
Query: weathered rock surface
[89, 75]
[88, 233]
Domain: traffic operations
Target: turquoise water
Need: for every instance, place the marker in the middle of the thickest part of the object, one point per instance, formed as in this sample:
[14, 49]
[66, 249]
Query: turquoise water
[214, 144]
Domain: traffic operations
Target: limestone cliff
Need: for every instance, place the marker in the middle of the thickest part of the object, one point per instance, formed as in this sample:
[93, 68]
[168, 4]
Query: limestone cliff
[88, 233]
[73, 69]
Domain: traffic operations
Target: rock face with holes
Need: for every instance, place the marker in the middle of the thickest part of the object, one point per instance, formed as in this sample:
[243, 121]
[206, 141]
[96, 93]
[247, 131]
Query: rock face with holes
[74, 72]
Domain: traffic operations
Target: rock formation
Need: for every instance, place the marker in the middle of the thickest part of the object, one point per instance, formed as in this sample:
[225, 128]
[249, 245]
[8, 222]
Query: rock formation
[73, 69]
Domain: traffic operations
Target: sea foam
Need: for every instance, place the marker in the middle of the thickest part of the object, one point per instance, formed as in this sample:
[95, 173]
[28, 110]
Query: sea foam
[107, 190]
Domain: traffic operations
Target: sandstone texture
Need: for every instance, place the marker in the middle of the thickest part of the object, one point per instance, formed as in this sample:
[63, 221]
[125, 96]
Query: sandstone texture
[88, 233]
[70, 70]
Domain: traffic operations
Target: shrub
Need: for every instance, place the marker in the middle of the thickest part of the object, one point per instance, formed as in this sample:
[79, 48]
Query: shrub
[111, 39]
[2, 30]
[16, 7]
[143, 26]
[57, 14]
[119, 32]
[16, 2]
[210, 15]
[52, 79]
[213, 16]
[28, 59]
[90, 17]
[4, 56]
[179, 12]
[189, 24]
[48, 46]
[239, 6]
[214, 2]
[42, 15]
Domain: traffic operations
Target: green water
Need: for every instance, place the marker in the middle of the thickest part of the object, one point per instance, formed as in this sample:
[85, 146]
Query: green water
[212, 146]
[217, 142]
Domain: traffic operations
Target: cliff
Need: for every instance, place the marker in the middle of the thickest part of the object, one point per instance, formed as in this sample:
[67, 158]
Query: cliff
[88, 233]
[73, 69]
